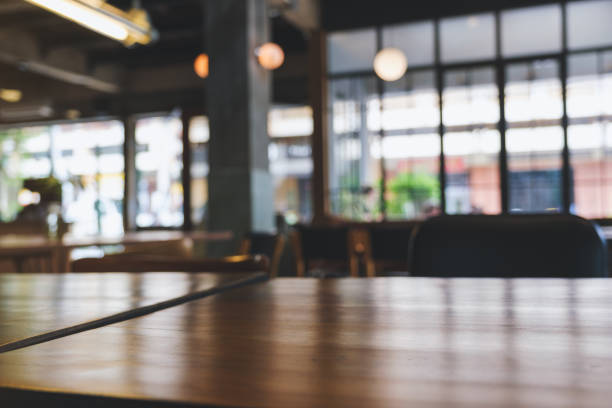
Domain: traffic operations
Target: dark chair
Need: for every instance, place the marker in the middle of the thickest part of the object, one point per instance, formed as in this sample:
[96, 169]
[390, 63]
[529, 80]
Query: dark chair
[261, 243]
[151, 263]
[386, 248]
[508, 246]
[324, 247]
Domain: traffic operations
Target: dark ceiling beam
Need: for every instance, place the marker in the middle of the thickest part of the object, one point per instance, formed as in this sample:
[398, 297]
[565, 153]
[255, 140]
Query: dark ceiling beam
[21, 49]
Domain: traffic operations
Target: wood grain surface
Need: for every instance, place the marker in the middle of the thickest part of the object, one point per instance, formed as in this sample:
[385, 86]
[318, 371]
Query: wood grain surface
[34, 305]
[384, 342]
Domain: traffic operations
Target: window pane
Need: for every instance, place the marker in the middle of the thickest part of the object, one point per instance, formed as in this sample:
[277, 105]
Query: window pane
[159, 163]
[24, 153]
[591, 159]
[354, 174]
[533, 91]
[412, 168]
[533, 30]
[411, 102]
[88, 159]
[415, 40]
[350, 51]
[588, 24]
[534, 167]
[471, 141]
[291, 168]
[472, 172]
[467, 38]
[198, 139]
[291, 161]
[470, 97]
[589, 93]
[290, 121]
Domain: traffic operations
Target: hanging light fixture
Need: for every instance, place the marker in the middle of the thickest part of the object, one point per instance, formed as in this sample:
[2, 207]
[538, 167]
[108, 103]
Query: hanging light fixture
[200, 65]
[390, 64]
[128, 28]
[11, 95]
[270, 55]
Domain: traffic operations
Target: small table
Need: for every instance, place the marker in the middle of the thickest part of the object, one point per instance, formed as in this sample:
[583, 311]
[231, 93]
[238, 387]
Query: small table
[383, 342]
[21, 247]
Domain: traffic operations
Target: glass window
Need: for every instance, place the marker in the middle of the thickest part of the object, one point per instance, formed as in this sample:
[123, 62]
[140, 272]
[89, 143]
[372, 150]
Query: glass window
[533, 30]
[416, 40]
[354, 172]
[471, 141]
[88, 160]
[589, 96]
[534, 139]
[159, 162]
[467, 38]
[290, 156]
[588, 24]
[350, 51]
[198, 139]
[24, 153]
[412, 168]
[411, 102]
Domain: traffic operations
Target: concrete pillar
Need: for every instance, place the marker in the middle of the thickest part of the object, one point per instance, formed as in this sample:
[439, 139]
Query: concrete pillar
[238, 93]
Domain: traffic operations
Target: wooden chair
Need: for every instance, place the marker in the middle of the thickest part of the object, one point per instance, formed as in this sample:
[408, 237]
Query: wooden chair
[155, 263]
[508, 246]
[329, 248]
[261, 243]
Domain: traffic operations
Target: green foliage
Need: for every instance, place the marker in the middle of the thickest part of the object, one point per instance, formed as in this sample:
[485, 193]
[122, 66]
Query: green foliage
[411, 188]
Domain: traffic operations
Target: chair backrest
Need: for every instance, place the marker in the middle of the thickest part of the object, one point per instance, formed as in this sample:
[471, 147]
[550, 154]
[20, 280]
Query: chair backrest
[151, 263]
[323, 246]
[262, 243]
[387, 247]
[508, 246]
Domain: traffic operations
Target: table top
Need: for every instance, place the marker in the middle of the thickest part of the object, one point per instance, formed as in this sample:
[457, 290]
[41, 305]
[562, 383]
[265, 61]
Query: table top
[9, 244]
[384, 342]
[48, 304]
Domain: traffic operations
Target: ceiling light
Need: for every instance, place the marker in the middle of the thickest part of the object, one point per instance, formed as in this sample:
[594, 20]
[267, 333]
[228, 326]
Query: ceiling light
[390, 64]
[10, 95]
[270, 55]
[200, 65]
[97, 15]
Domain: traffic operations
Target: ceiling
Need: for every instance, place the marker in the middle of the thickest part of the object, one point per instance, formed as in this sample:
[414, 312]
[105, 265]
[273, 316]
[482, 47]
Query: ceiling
[59, 64]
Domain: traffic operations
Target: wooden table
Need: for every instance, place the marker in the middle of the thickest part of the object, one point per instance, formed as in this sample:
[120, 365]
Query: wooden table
[44, 306]
[19, 247]
[384, 342]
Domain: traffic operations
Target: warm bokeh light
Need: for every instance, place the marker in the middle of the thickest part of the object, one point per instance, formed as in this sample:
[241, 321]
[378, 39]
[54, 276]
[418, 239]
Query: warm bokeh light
[390, 64]
[200, 65]
[10, 95]
[270, 56]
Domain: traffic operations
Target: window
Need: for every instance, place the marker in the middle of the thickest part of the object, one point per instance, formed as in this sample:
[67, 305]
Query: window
[351, 51]
[199, 134]
[589, 24]
[354, 167]
[589, 102]
[290, 129]
[387, 139]
[534, 139]
[415, 40]
[159, 163]
[467, 38]
[411, 146]
[88, 160]
[533, 30]
[472, 141]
